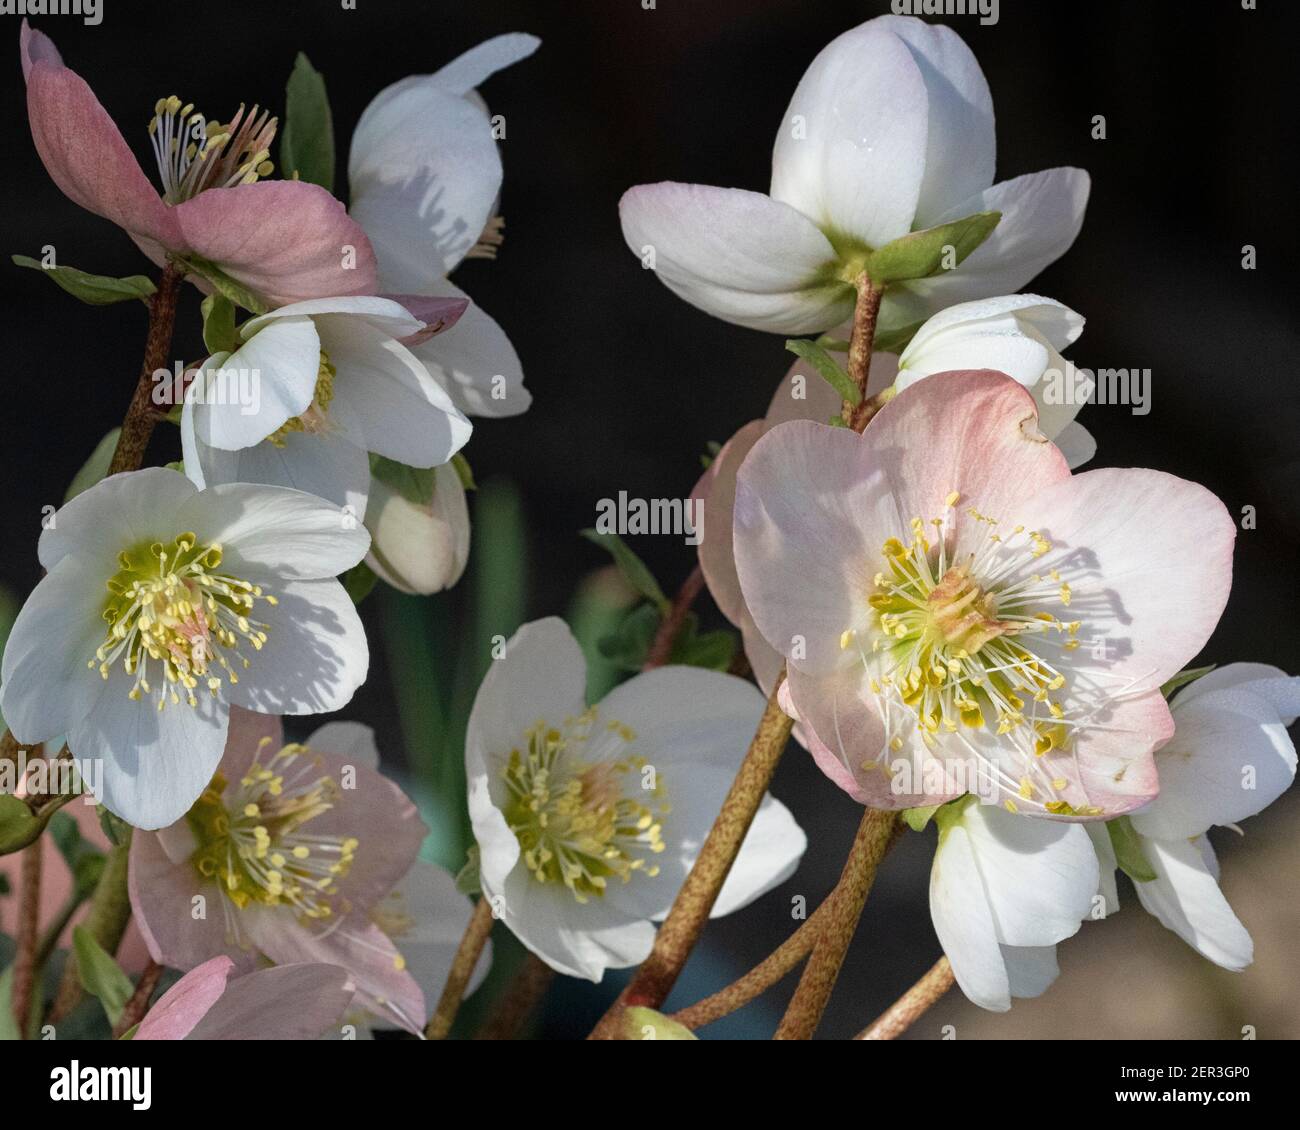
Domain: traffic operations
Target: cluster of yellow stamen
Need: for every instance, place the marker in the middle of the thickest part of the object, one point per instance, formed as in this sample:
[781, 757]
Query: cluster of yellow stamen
[961, 645]
[316, 419]
[170, 605]
[194, 154]
[254, 838]
[577, 821]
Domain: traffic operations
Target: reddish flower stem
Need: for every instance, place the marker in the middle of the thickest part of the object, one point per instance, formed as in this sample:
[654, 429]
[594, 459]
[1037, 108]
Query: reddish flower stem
[909, 1008]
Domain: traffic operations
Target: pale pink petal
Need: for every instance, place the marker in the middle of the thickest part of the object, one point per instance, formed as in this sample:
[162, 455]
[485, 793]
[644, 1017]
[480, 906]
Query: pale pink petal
[186, 1003]
[290, 1002]
[716, 491]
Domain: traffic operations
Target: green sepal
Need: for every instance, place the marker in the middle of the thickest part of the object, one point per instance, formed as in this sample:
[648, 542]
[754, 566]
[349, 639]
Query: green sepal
[1127, 845]
[415, 484]
[219, 333]
[826, 368]
[96, 290]
[222, 283]
[463, 471]
[918, 818]
[920, 254]
[100, 975]
[1185, 676]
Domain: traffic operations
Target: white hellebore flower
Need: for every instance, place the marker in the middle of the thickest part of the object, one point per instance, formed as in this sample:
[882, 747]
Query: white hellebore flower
[419, 546]
[312, 389]
[1230, 757]
[162, 606]
[1020, 335]
[889, 131]
[425, 176]
[589, 818]
[1004, 889]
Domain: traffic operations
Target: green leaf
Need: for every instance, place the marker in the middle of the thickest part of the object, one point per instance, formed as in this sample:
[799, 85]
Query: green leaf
[826, 367]
[918, 818]
[467, 878]
[359, 582]
[415, 484]
[920, 254]
[834, 344]
[19, 825]
[640, 1023]
[712, 650]
[630, 643]
[307, 139]
[95, 467]
[711, 450]
[895, 340]
[100, 975]
[631, 566]
[222, 283]
[1128, 850]
[1185, 676]
[463, 472]
[97, 290]
[219, 333]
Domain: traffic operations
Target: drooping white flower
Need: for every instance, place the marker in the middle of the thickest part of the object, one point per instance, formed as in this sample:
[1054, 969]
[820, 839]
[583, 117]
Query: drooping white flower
[1004, 889]
[1230, 757]
[589, 818]
[313, 388]
[889, 131]
[425, 177]
[162, 606]
[419, 545]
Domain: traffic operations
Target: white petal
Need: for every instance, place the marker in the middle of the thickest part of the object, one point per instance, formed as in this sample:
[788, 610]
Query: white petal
[960, 145]
[740, 256]
[474, 66]
[315, 656]
[353, 741]
[1230, 757]
[851, 150]
[380, 313]
[438, 915]
[1186, 899]
[155, 762]
[1272, 683]
[964, 922]
[768, 856]
[419, 549]
[475, 362]
[251, 393]
[1107, 865]
[425, 173]
[274, 530]
[1030, 969]
[402, 411]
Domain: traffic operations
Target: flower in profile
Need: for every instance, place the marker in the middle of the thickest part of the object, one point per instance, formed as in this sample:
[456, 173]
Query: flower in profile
[312, 389]
[1230, 757]
[425, 177]
[1004, 890]
[283, 240]
[960, 614]
[162, 607]
[292, 852]
[890, 131]
[289, 1002]
[419, 544]
[589, 818]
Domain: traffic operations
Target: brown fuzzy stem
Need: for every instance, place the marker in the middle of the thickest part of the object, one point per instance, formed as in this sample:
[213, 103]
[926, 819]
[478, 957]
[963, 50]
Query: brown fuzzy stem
[462, 968]
[909, 1008]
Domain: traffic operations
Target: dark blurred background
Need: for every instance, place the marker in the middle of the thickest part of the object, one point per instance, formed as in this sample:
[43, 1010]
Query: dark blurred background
[630, 384]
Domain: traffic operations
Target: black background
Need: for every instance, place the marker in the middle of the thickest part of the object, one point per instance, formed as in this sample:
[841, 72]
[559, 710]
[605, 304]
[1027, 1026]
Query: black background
[630, 383]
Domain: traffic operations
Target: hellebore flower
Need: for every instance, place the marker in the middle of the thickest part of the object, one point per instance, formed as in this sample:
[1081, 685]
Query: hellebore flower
[425, 177]
[419, 547]
[313, 388]
[589, 818]
[889, 131]
[290, 1002]
[1004, 890]
[284, 240]
[165, 605]
[290, 853]
[1230, 757]
[917, 580]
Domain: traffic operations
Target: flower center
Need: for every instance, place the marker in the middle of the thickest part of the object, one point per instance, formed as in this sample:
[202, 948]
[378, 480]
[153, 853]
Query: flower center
[578, 822]
[194, 154]
[256, 844]
[171, 605]
[315, 421]
[964, 644]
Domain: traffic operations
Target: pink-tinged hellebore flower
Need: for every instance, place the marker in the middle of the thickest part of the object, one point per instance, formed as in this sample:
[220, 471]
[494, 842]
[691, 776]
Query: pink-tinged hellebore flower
[287, 856]
[889, 131]
[1004, 890]
[1230, 757]
[284, 240]
[163, 607]
[312, 390]
[289, 1002]
[589, 818]
[425, 176]
[419, 547]
[960, 614]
